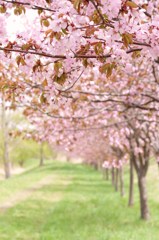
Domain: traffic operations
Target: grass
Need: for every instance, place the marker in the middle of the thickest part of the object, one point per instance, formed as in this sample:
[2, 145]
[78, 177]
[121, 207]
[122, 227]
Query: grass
[77, 205]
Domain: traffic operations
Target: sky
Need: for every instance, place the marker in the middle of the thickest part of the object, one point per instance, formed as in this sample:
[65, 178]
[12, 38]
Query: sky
[17, 24]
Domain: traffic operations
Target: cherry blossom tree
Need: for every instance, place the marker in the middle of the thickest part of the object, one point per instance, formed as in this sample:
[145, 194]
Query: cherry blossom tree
[89, 66]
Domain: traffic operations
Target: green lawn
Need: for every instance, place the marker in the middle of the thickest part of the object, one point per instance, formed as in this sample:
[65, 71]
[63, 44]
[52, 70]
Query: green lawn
[73, 203]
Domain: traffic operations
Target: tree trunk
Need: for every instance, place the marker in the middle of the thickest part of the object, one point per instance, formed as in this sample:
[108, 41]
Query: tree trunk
[122, 192]
[131, 185]
[67, 159]
[94, 164]
[107, 174]
[41, 154]
[113, 176]
[117, 180]
[99, 166]
[143, 197]
[141, 170]
[6, 157]
[4, 125]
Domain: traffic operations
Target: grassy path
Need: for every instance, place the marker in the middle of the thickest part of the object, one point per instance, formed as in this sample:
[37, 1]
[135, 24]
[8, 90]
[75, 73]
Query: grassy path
[71, 202]
[26, 193]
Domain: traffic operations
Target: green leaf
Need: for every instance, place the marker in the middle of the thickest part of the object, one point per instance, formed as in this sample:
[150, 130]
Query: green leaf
[85, 63]
[57, 67]
[20, 60]
[107, 68]
[26, 46]
[2, 9]
[60, 80]
[98, 48]
[127, 39]
[43, 98]
[64, 31]
[45, 23]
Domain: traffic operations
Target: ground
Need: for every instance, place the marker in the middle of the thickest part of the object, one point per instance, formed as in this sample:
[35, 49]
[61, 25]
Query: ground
[62, 201]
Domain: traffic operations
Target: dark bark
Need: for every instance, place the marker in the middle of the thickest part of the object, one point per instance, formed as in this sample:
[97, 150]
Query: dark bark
[113, 176]
[131, 184]
[122, 192]
[94, 165]
[141, 167]
[107, 174]
[143, 197]
[141, 163]
[116, 179]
